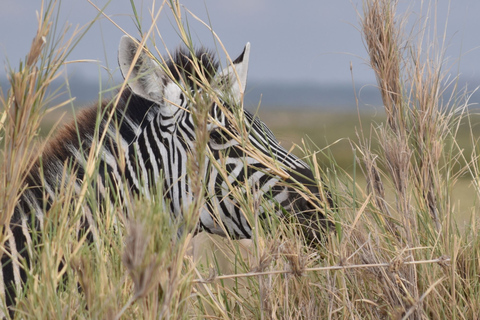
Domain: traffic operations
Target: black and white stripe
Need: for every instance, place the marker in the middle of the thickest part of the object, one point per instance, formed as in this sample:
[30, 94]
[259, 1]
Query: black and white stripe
[153, 131]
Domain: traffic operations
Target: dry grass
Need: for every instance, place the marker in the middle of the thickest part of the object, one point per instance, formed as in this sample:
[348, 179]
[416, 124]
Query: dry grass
[396, 252]
[22, 111]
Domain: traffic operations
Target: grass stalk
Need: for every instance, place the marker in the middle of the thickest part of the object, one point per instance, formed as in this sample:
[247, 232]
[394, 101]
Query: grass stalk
[396, 253]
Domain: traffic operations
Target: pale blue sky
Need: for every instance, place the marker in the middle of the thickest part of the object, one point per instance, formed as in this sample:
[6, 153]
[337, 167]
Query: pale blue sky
[297, 41]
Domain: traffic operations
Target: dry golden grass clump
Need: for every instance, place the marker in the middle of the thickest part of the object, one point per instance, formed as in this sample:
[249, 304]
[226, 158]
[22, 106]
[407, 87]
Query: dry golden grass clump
[396, 253]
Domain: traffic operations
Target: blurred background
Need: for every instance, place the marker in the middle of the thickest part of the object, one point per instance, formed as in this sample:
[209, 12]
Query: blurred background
[306, 47]
[307, 68]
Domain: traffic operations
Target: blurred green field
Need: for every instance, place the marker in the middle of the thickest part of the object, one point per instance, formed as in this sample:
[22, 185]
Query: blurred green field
[336, 134]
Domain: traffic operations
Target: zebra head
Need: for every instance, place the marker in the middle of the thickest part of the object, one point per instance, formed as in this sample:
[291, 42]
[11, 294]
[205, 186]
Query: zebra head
[243, 154]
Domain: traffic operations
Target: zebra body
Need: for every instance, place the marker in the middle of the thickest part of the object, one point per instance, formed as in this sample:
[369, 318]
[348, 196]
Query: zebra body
[153, 132]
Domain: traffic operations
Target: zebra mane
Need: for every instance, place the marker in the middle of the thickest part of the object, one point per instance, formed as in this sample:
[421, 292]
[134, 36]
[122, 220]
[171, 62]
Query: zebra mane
[183, 68]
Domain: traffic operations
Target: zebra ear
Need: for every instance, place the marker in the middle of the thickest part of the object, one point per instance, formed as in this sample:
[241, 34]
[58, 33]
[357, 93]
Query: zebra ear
[146, 76]
[234, 78]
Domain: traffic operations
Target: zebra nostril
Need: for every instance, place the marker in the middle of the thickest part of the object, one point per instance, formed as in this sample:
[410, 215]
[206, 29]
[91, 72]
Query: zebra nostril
[312, 220]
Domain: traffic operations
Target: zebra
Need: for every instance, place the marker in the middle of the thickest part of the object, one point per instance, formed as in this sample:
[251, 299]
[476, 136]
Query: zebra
[156, 135]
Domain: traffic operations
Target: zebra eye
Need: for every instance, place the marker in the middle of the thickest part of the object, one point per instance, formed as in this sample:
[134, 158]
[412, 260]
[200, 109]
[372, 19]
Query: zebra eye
[182, 99]
[217, 136]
